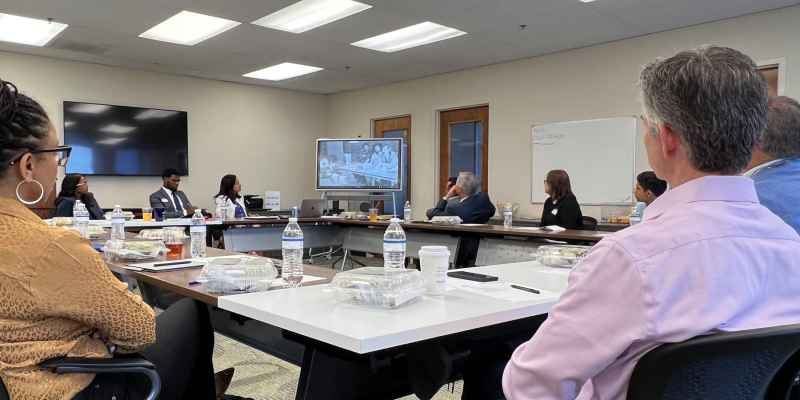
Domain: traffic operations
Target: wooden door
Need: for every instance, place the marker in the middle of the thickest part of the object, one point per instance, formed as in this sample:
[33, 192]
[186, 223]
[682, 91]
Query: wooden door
[464, 144]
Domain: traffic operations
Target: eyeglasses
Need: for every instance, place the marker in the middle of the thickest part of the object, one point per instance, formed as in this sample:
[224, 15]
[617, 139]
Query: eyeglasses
[62, 154]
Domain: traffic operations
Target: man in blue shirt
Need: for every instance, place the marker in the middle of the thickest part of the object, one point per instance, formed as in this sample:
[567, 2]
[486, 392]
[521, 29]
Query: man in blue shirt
[775, 165]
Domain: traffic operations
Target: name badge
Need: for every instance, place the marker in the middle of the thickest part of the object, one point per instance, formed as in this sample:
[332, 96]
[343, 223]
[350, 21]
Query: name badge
[164, 201]
[554, 212]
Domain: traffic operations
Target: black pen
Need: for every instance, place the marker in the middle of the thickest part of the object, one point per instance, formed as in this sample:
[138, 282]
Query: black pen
[527, 289]
[172, 263]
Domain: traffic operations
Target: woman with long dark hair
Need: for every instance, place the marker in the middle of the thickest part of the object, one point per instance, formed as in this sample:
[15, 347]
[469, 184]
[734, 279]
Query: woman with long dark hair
[76, 187]
[59, 298]
[561, 208]
[229, 188]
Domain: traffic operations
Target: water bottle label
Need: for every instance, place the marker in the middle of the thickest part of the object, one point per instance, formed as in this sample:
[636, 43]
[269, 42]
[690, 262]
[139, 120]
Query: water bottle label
[197, 229]
[292, 243]
[394, 245]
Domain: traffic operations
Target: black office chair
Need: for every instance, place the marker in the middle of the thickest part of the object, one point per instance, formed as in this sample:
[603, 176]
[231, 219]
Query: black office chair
[120, 365]
[744, 365]
[589, 223]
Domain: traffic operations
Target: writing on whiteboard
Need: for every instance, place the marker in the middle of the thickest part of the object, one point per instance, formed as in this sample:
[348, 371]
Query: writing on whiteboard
[547, 138]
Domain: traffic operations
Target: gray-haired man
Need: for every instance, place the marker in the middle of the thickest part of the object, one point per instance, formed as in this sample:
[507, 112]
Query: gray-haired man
[473, 207]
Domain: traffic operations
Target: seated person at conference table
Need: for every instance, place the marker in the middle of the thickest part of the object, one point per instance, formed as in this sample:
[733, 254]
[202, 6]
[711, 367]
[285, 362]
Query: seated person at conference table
[775, 166]
[561, 207]
[707, 257]
[451, 181]
[229, 188]
[173, 201]
[76, 186]
[649, 187]
[58, 298]
[472, 206]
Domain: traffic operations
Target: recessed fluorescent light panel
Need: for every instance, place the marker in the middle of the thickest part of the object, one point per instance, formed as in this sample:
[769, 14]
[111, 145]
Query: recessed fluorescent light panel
[408, 37]
[154, 114]
[90, 108]
[282, 71]
[117, 129]
[306, 15]
[112, 141]
[188, 28]
[30, 31]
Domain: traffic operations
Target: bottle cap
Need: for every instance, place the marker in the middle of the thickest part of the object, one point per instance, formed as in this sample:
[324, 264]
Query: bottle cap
[293, 219]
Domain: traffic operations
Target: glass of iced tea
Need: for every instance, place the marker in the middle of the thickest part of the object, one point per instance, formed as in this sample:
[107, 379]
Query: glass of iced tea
[147, 214]
[173, 239]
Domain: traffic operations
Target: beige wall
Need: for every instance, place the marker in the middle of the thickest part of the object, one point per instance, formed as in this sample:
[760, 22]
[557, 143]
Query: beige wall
[265, 136]
[587, 83]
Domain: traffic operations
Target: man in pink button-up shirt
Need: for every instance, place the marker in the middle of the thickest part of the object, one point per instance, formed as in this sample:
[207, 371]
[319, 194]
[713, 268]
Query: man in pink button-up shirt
[707, 257]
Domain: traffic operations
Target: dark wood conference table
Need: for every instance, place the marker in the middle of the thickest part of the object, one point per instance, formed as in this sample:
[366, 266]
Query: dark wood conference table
[479, 229]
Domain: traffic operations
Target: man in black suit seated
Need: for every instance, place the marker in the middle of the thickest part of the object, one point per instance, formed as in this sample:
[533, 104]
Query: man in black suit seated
[173, 201]
[472, 206]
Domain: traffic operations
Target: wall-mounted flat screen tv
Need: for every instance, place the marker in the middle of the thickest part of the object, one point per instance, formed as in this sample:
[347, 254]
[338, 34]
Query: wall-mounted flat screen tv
[121, 140]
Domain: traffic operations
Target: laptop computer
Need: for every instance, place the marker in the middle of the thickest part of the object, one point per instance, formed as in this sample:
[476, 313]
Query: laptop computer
[312, 208]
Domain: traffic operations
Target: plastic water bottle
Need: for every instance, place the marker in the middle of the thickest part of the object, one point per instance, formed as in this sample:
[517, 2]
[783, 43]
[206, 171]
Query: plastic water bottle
[117, 223]
[638, 213]
[81, 216]
[292, 246]
[197, 231]
[394, 247]
[508, 216]
[407, 212]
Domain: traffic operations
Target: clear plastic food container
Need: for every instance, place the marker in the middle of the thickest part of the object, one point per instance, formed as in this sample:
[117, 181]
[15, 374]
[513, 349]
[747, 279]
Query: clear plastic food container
[134, 250]
[238, 274]
[561, 256]
[154, 234]
[447, 220]
[376, 287]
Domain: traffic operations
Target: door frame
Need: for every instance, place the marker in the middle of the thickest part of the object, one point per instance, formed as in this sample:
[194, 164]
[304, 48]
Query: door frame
[781, 64]
[372, 122]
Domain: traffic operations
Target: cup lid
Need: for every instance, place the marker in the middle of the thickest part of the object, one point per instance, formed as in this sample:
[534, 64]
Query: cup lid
[434, 250]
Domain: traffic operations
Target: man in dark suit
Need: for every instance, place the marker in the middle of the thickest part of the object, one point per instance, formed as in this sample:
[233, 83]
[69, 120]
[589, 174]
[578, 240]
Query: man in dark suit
[472, 206]
[173, 201]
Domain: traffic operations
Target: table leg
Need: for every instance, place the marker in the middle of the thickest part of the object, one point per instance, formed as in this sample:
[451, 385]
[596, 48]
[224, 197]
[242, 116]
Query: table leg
[330, 373]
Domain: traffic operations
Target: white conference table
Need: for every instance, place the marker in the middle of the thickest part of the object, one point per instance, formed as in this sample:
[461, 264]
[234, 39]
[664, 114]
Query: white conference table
[314, 313]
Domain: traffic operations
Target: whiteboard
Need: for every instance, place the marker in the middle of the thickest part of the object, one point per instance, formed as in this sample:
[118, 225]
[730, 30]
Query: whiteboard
[599, 155]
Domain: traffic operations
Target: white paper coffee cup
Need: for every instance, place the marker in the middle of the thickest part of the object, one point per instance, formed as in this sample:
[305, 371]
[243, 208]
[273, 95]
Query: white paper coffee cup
[434, 262]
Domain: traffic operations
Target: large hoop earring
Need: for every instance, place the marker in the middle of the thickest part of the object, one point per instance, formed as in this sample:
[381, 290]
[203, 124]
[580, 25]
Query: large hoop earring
[38, 199]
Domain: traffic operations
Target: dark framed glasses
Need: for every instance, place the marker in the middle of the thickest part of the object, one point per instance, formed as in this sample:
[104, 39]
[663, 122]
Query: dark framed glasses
[62, 154]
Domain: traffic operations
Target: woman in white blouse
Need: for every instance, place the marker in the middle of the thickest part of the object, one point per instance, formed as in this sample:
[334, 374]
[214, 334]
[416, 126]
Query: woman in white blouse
[229, 197]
